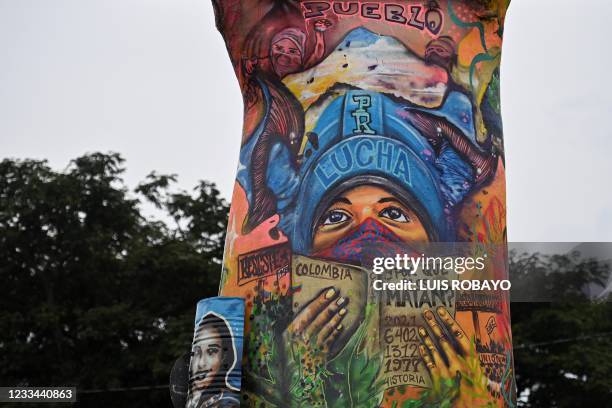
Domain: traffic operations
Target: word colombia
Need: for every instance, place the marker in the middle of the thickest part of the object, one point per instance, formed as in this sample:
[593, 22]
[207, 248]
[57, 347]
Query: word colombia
[426, 15]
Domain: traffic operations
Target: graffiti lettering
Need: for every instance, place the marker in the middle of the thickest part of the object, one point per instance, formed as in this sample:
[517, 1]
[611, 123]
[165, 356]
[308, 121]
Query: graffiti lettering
[324, 271]
[263, 263]
[355, 155]
[415, 16]
[480, 301]
[405, 378]
[361, 114]
[419, 299]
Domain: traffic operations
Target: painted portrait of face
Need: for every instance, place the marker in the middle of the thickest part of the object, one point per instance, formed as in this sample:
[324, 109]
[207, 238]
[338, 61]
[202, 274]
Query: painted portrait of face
[287, 51]
[442, 52]
[212, 355]
[367, 213]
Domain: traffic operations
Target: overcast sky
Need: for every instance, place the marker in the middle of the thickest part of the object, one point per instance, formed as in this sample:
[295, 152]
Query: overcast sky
[151, 79]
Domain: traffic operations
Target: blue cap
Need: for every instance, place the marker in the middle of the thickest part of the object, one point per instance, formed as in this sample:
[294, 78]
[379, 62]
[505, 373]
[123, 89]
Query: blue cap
[359, 142]
[361, 138]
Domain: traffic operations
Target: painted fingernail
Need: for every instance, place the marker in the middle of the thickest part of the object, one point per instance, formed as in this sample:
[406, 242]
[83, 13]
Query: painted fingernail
[428, 315]
[340, 327]
[331, 292]
[422, 332]
[441, 311]
[340, 301]
[342, 312]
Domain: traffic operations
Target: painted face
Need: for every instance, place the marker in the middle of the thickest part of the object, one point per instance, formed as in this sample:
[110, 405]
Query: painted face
[286, 56]
[367, 210]
[207, 358]
[440, 52]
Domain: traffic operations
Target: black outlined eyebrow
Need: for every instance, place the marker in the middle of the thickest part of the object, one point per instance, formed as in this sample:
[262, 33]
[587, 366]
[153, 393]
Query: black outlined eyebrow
[388, 200]
[342, 200]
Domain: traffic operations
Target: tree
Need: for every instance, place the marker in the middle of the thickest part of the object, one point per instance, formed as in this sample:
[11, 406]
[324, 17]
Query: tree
[563, 343]
[94, 294]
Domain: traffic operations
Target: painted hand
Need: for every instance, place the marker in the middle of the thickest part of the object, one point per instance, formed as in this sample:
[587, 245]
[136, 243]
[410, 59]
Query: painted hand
[308, 339]
[318, 324]
[250, 64]
[322, 25]
[454, 357]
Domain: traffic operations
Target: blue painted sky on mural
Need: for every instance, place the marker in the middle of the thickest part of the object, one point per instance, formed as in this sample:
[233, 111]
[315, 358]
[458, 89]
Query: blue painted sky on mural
[152, 80]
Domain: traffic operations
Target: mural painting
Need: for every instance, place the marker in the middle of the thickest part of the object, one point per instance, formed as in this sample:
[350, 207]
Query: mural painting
[366, 125]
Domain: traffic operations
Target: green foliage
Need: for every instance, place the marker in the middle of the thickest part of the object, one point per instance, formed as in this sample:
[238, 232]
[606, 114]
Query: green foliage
[356, 379]
[94, 294]
[265, 361]
[441, 395]
[493, 93]
[562, 347]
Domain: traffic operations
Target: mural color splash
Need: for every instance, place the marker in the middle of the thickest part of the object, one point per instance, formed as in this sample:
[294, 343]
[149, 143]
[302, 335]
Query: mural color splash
[365, 123]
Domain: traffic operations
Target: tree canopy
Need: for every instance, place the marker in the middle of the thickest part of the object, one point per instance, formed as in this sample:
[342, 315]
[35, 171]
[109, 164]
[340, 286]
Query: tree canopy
[95, 294]
[562, 338]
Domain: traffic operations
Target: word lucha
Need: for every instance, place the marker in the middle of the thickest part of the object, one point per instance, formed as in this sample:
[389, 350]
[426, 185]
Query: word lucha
[374, 153]
[417, 16]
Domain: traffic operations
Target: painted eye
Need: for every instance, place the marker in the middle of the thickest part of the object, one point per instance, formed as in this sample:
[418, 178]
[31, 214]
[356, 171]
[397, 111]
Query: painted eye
[334, 217]
[394, 214]
[212, 351]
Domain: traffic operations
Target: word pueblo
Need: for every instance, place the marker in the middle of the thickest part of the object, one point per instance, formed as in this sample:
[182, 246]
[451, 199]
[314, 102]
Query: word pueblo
[417, 16]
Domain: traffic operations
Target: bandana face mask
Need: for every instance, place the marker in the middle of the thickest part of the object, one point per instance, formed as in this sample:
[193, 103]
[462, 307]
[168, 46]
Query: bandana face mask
[368, 240]
[286, 56]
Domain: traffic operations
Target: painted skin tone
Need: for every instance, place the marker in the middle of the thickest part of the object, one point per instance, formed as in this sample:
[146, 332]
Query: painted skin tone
[461, 358]
[354, 206]
[287, 58]
[311, 334]
[319, 323]
[207, 358]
